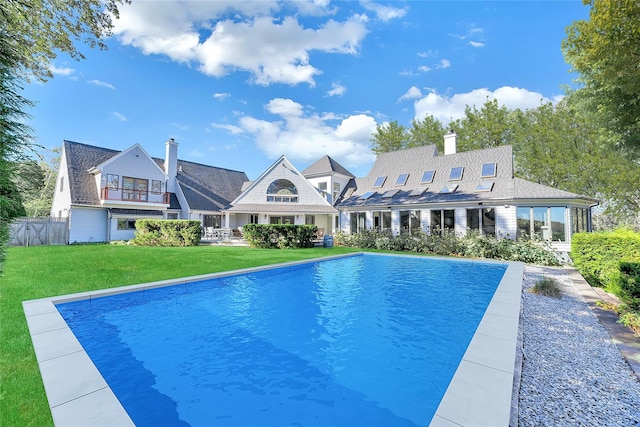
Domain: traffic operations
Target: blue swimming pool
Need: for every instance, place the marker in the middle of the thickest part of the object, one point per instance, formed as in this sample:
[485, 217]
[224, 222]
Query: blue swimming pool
[366, 340]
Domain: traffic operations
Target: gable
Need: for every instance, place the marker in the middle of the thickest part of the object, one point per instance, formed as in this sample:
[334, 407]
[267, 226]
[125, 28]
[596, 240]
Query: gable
[133, 162]
[269, 188]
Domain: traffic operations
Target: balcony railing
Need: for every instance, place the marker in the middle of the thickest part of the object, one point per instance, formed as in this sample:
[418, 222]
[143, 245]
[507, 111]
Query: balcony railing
[128, 195]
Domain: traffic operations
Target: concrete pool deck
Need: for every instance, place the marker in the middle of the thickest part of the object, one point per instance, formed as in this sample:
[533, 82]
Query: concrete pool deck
[480, 392]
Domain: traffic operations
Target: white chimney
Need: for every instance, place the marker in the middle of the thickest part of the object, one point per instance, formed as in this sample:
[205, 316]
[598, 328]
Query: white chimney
[450, 143]
[171, 164]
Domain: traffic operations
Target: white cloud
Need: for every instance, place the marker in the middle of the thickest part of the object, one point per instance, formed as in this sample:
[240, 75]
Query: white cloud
[63, 71]
[476, 44]
[272, 50]
[102, 84]
[383, 13]
[428, 54]
[447, 108]
[444, 63]
[232, 129]
[221, 96]
[424, 69]
[306, 136]
[412, 93]
[119, 116]
[337, 90]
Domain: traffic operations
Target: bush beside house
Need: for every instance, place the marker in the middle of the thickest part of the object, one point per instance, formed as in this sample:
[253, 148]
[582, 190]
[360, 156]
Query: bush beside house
[471, 245]
[279, 235]
[153, 232]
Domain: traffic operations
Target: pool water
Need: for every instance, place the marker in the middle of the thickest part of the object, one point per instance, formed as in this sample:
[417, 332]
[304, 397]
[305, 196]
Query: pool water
[366, 340]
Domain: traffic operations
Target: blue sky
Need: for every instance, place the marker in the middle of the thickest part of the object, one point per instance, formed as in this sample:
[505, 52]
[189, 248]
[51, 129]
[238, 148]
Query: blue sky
[239, 83]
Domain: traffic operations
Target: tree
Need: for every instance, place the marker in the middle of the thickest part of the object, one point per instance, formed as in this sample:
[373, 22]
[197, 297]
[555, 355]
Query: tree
[32, 33]
[40, 29]
[605, 51]
[426, 132]
[487, 127]
[388, 137]
[36, 181]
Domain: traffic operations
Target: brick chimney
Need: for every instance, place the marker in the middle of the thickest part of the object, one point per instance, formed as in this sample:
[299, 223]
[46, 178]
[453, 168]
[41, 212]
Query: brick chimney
[450, 143]
[171, 164]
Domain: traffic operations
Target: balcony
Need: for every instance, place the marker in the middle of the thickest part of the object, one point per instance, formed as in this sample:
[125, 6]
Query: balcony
[129, 196]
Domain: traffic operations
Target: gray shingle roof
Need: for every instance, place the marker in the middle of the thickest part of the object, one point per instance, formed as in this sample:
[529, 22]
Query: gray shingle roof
[81, 158]
[415, 161]
[209, 188]
[325, 166]
[205, 187]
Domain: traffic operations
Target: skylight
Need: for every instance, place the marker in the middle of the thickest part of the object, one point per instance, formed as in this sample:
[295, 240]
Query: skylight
[456, 173]
[427, 177]
[402, 179]
[488, 170]
[380, 181]
[449, 189]
[418, 192]
[366, 195]
[485, 186]
[390, 193]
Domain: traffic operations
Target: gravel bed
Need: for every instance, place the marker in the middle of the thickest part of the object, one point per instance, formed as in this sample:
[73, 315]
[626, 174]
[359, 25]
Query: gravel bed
[572, 373]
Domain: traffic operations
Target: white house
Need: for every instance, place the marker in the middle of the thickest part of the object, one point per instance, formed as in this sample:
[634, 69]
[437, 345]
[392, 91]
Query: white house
[283, 195]
[418, 189]
[103, 192]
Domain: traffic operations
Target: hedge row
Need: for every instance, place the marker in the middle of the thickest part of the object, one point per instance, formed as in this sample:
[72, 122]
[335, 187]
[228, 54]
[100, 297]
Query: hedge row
[598, 255]
[472, 245]
[156, 232]
[279, 235]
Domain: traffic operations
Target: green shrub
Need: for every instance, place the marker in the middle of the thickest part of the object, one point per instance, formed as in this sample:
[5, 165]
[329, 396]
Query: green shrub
[280, 236]
[448, 244]
[630, 284]
[547, 286]
[597, 255]
[155, 232]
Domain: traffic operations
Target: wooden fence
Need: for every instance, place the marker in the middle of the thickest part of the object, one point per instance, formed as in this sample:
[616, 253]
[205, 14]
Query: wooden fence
[38, 231]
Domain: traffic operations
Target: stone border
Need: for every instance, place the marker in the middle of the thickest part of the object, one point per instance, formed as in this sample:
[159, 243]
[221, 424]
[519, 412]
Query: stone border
[480, 392]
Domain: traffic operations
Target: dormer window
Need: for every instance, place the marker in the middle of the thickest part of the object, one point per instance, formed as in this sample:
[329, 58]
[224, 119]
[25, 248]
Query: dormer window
[488, 170]
[418, 192]
[449, 189]
[485, 186]
[390, 194]
[402, 179]
[379, 181]
[456, 173]
[366, 195]
[427, 177]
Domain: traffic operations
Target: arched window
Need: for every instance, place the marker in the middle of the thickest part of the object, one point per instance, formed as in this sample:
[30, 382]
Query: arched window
[282, 190]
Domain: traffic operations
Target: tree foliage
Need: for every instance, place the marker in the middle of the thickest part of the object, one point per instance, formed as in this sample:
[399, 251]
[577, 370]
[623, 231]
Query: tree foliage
[487, 127]
[605, 51]
[40, 29]
[32, 33]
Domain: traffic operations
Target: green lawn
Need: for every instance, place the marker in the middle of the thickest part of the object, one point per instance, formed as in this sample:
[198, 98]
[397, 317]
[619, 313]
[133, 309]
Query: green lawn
[44, 271]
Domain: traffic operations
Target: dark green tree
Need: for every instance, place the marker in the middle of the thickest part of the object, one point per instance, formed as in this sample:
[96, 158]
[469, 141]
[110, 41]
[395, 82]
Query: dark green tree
[605, 51]
[426, 132]
[388, 137]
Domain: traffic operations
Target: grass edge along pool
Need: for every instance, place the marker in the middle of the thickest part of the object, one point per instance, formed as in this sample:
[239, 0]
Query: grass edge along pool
[61, 404]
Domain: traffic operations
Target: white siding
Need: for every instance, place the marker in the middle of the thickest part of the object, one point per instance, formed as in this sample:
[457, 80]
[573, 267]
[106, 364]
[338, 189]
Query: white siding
[307, 193]
[460, 218]
[61, 199]
[87, 225]
[506, 225]
[116, 234]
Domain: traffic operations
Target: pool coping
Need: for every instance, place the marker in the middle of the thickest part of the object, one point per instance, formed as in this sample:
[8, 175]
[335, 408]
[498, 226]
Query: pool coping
[480, 392]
